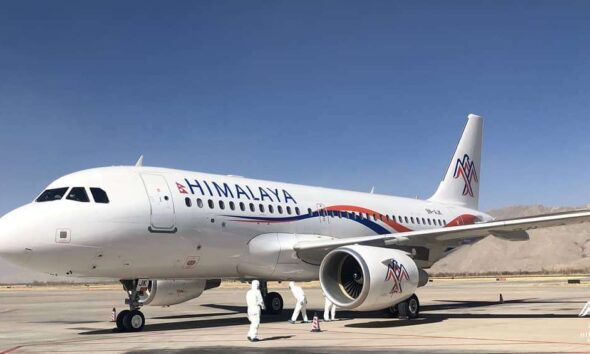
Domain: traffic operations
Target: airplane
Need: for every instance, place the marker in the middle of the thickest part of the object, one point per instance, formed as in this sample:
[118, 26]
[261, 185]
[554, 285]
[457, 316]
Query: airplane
[168, 235]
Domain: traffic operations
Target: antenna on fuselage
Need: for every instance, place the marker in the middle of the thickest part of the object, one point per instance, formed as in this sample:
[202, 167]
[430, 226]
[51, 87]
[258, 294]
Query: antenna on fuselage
[139, 162]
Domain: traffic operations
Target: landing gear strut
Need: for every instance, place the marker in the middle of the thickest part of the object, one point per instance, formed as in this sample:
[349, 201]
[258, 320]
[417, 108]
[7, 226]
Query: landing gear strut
[273, 301]
[131, 320]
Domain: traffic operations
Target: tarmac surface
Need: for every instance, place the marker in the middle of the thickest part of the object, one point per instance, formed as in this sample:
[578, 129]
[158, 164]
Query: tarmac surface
[538, 315]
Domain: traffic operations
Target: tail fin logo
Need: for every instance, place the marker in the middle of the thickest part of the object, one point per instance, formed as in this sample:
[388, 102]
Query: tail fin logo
[466, 168]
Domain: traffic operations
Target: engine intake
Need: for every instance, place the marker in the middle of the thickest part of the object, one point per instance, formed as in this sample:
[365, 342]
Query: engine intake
[367, 277]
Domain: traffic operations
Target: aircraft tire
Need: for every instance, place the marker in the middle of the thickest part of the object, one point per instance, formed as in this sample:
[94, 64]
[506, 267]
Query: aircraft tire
[134, 321]
[410, 308]
[120, 318]
[273, 303]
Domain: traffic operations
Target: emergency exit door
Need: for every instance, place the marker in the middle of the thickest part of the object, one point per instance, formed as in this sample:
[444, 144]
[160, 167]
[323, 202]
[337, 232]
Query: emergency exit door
[322, 212]
[162, 207]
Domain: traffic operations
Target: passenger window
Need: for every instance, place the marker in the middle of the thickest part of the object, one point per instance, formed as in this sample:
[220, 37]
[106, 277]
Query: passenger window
[52, 194]
[412, 219]
[280, 209]
[271, 209]
[211, 205]
[406, 218]
[297, 210]
[423, 221]
[387, 217]
[99, 195]
[261, 207]
[418, 221]
[400, 219]
[232, 205]
[429, 222]
[309, 211]
[289, 210]
[188, 202]
[252, 208]
[340, 214]
[242, 206]
[199, 203]
[221, 205]
[78, 194]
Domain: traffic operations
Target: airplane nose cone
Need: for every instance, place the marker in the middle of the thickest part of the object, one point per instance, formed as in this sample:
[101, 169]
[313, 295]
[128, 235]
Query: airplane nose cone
[11, 248]
[5, 247]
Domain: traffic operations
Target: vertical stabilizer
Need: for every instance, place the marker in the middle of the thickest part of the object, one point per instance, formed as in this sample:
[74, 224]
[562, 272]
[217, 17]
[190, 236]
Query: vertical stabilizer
[460, 185]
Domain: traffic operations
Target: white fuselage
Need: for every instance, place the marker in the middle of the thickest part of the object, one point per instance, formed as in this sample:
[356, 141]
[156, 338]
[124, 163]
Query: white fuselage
[159, 224]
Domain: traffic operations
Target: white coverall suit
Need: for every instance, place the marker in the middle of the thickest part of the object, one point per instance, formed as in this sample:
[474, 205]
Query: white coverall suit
[329, 310]
[255, 305]
[301, 302]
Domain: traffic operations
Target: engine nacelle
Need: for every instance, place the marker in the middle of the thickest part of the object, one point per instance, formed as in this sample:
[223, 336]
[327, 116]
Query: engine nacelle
[368, 278]
[172, 292]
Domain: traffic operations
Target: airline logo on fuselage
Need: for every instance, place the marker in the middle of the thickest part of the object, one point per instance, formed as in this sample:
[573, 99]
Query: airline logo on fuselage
[466, 168]
[234, 191]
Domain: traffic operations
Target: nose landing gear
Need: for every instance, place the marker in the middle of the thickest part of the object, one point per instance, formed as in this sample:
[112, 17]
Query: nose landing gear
[131, 320]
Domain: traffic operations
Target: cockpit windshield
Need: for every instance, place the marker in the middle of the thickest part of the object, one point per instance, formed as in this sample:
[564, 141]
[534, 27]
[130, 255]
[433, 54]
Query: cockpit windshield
[99, 195]
[52, 194]
[78, 194]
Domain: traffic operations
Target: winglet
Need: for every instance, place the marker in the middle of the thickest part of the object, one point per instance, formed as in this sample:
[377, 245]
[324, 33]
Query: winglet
[139, 162]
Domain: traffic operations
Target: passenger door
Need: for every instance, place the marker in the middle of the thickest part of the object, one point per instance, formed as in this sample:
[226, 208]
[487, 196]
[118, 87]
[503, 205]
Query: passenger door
[162, 206]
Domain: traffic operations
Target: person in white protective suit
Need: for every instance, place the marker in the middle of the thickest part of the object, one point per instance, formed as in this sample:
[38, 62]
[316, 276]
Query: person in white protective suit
[329, 310]
[255, 306]
[301, 302]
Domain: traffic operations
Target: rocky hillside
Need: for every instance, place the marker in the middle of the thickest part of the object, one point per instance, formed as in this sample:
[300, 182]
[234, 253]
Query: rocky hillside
[555, 249]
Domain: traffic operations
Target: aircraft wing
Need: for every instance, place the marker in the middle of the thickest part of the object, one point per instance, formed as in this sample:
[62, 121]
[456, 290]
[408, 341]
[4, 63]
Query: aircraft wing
[314, 251]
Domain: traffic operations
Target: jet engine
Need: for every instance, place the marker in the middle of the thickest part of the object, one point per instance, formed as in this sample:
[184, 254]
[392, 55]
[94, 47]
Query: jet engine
[172, 292]
[368, 278]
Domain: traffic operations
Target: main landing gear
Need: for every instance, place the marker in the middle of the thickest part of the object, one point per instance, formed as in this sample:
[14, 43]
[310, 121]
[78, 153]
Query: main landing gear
[131, 320]
[273, 301]
[408, 309]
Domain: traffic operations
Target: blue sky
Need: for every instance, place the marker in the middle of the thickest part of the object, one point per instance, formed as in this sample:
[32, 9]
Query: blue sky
[345, 94]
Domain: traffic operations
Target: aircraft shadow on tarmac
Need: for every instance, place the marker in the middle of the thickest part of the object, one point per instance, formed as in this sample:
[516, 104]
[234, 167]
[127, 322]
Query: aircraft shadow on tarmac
[204, 323]
[426, 316]
[194, 315]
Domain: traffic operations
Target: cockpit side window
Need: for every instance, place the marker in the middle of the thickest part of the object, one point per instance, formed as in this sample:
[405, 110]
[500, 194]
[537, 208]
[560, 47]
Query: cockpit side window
[78, 194]
[99, 195]
[50, 195]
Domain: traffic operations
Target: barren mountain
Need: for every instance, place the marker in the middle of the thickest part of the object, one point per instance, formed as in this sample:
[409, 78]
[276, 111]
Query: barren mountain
[556, 249]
